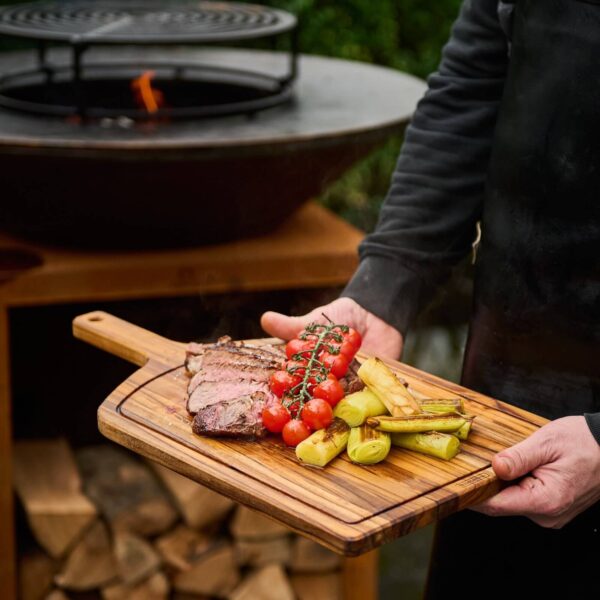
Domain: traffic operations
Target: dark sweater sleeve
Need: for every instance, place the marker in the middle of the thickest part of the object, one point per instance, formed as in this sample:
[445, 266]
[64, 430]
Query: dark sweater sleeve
[427, 223]
[593, 421]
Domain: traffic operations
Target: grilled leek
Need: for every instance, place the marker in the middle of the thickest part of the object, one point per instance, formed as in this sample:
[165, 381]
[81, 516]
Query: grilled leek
[441, 445]
[393, 392]
[442, 406]
[357, 407]
[324, 445]
[418, 423]
[463, 432]
[367, 446]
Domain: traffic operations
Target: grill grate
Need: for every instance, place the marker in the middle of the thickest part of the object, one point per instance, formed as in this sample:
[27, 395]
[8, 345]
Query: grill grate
[74, 89]
[151, 21]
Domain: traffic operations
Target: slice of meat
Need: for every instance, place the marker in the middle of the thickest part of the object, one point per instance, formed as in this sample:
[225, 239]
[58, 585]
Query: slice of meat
[237, 417]
[207, 393]
[201, 355]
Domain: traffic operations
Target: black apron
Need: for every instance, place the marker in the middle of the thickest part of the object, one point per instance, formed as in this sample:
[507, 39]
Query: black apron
[534, 337]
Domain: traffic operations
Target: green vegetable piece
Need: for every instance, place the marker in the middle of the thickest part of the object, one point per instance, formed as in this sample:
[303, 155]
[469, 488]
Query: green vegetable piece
[356, 408]
[367, 446]
[433, 443]
[324, 445]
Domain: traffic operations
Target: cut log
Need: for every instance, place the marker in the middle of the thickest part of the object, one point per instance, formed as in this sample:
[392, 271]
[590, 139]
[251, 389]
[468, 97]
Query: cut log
[48, 484]
[182, 547]
[125, 491]
[198, 505]
[310, 557]
[36, 575]
[155, 587]
[317, 587]
[56, 595]
[247, 524]
[136, 558]
[215, 573]
[258, 553]
[269, 583]
[91, 563]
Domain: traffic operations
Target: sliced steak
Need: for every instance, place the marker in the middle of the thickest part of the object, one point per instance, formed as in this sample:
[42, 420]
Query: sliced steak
[230, 386]
[237, 417]
[224, 351]
[212, 392]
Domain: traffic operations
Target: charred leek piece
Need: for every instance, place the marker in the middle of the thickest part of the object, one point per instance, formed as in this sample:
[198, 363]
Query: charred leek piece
[367, 446]
[442, 406]
[463, 432]
[382, 381]
[418, 423]
[323, 445]
[441, 445]
[356, 408]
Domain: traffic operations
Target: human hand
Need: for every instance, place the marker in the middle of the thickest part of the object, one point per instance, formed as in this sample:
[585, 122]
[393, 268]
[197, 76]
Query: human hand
[561, 464]
[379, 338]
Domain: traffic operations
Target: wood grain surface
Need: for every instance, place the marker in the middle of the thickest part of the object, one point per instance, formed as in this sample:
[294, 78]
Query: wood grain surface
[348, 508]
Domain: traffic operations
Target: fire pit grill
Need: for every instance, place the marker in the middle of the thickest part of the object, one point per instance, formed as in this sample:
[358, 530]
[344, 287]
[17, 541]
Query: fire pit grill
[66, 90]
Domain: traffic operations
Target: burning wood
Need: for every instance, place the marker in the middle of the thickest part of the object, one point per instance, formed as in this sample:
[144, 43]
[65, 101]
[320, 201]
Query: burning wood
[146, 96]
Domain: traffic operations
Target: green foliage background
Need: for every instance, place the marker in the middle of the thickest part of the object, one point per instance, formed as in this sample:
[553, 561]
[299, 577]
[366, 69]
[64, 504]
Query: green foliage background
[402, 34]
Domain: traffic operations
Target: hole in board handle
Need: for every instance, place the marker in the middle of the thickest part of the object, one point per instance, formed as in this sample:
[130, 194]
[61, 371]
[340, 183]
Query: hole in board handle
[95, 319]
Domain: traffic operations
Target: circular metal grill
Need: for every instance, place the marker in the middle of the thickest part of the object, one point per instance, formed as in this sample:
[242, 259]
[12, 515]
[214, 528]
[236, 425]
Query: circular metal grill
[147, 21]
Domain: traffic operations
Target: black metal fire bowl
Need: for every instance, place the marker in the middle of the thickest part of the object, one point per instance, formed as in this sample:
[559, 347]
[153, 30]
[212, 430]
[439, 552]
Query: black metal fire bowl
[122, 183]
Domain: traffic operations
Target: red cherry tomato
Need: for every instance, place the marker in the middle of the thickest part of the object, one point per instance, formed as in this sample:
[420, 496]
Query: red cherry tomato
[297, 346]
[282, 381]
[346, 348]
[294, 432]
[329, 390]
[352, 336]
[297, 367]
[274, 417]
[336, 363]
[317, 413]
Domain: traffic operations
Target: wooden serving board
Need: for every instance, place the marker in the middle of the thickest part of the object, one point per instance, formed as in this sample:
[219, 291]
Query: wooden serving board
[346, 507]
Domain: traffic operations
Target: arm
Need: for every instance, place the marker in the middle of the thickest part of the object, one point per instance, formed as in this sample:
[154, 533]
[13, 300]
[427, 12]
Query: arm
[428, 221]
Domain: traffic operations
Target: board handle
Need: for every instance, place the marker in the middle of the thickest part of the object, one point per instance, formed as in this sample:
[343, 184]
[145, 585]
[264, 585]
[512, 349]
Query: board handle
[126, 340]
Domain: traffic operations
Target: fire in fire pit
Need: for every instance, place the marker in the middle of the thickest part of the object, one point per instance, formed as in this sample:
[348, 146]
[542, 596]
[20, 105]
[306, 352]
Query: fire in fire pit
[146, 96]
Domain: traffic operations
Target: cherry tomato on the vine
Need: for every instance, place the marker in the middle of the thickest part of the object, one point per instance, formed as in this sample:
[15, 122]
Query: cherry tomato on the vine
[282, 381]
[297, 346]
[330, 390]
[336, 363]
[297, 367]
[352, 336]
[294, 432]
[317, 413]
[345, 348]
[275, 416]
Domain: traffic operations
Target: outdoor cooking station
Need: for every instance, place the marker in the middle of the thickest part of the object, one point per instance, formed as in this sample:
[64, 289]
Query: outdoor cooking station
[80, 159]
[134, 196]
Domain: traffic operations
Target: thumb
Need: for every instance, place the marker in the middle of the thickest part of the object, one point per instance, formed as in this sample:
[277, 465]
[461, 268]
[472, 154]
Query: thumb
[522, 458]
[282, 326]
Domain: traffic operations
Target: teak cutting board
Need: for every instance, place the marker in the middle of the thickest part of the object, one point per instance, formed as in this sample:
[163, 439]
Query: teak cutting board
[346, 507]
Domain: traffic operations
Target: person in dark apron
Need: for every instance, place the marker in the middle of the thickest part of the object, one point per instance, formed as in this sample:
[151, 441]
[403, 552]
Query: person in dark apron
[508, 134]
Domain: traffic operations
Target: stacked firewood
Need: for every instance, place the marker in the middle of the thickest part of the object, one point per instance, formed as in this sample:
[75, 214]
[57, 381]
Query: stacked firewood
[112, 526]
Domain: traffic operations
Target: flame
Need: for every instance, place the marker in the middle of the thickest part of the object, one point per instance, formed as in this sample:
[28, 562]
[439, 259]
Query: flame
[146, 96]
